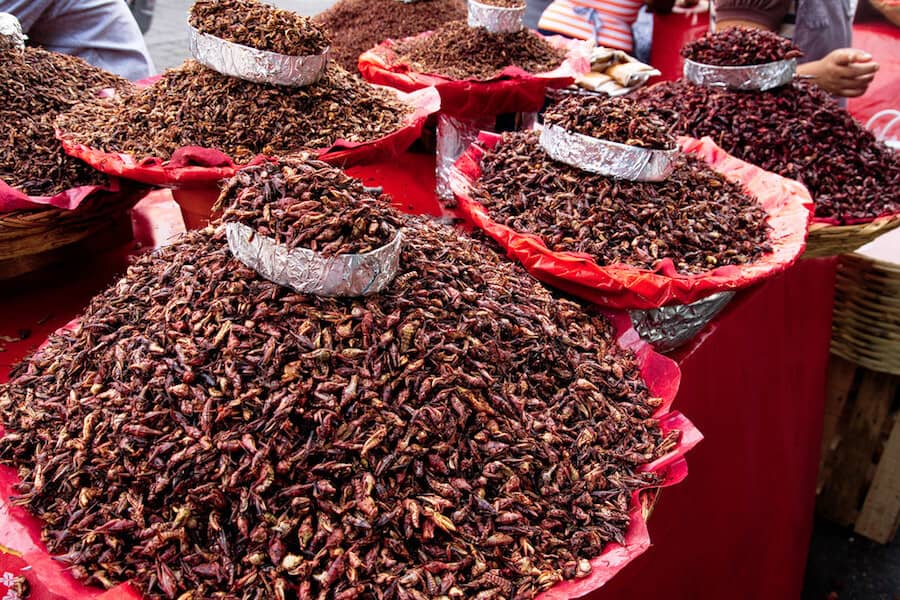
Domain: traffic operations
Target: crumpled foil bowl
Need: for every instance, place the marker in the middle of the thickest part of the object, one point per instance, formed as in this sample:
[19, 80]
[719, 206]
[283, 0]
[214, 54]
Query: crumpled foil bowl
[258, 66]
[669, 327]
[11, 32]
[309, 272]
[749, 78]
[496, 19]
[603, 157]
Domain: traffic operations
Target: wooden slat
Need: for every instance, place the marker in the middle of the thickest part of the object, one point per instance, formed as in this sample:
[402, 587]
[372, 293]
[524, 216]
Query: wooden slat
[880, 513]
[841, 373]
[841, 495]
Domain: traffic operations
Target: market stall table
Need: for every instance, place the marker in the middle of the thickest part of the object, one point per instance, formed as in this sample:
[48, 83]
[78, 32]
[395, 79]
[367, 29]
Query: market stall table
[753, 383]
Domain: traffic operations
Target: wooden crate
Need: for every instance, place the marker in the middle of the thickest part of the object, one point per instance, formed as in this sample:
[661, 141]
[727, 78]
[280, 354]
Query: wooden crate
[859, 473]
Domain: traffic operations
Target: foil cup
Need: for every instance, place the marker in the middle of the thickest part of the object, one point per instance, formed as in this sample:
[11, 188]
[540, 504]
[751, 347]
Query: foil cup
[11, 34]
[496, 19]
[669, 327]
[259, 66]
[603, 157]
[309, 272]
[751, 77]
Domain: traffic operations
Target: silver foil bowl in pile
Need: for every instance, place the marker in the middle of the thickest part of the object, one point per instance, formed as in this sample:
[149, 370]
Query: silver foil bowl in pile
[748, 78]
[310, 272]
[496, 19]
[603, 157]
[669, 327]
[11, 32]
[258, 66]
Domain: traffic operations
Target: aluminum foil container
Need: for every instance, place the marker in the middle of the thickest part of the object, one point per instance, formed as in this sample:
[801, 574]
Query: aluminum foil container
[603, 157]
[11, 34]
[259, 66]
[496, 19]
[669, 327]
[751, 77]
[309, 272]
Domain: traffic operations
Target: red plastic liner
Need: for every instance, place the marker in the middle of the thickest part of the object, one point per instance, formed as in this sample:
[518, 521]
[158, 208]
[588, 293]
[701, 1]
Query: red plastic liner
[513, 90]
[621, 286]
[194, 166]
[15, 199]
[50, 580]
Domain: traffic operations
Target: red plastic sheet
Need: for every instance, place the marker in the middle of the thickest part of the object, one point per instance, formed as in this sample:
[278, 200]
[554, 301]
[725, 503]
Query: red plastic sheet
[15, 199]
[20, 531]
[626, 287]
[882, 41]
[194, 166]
[513, 90]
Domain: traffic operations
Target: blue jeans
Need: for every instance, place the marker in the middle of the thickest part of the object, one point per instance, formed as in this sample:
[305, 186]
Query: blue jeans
[102, 32]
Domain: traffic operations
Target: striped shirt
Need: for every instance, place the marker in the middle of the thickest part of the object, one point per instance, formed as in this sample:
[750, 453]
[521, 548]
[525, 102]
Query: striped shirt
[607, 22]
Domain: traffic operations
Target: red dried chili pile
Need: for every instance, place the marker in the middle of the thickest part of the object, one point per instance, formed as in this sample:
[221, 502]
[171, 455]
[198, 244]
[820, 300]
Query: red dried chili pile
[358, 25]
[696, 217]
[206, 433]
[259, 25]
[462, 52]
[36, 86]
[797, 131]
[614, 119]
[331, 216]
[193, 105]
[740, 46]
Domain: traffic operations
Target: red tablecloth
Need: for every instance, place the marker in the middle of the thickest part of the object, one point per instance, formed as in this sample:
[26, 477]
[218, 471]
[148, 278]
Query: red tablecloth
[753, 383]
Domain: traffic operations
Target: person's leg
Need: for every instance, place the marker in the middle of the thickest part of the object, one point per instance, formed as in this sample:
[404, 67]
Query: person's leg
[102, 32]
[28, 12]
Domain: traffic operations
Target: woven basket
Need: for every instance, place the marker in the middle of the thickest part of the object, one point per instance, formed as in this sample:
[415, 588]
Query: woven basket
[866, 323]
[830, 240]
[32, 239]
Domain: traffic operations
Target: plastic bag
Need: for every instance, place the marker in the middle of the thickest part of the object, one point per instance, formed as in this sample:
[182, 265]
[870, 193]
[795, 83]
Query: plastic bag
[626, 287]
[21, 531]
[513, 90]
[194, 166]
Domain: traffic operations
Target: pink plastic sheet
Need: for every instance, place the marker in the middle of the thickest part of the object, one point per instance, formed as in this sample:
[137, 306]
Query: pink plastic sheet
[513, 90]
[20, 531]
[626, 287]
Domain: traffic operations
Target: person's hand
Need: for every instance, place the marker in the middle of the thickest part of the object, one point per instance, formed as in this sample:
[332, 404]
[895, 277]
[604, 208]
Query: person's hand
[843, 72]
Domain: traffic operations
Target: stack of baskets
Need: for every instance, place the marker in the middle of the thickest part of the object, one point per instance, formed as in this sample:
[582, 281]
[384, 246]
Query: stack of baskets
[866, 324]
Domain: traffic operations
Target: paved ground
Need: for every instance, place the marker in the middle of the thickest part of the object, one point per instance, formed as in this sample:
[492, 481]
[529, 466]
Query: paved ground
[844, 566]
[841, 566]
[168, 34]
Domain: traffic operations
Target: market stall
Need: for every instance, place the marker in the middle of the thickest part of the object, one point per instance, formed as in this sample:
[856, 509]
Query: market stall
[328, 394]
[749, 494]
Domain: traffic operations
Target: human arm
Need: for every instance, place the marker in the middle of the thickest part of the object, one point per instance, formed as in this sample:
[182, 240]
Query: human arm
[842, 72]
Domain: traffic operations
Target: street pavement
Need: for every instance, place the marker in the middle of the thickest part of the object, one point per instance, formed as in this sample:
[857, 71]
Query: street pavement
[167, 38]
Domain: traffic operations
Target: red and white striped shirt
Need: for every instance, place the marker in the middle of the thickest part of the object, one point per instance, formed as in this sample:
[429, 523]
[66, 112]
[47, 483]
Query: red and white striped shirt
[607, 22]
